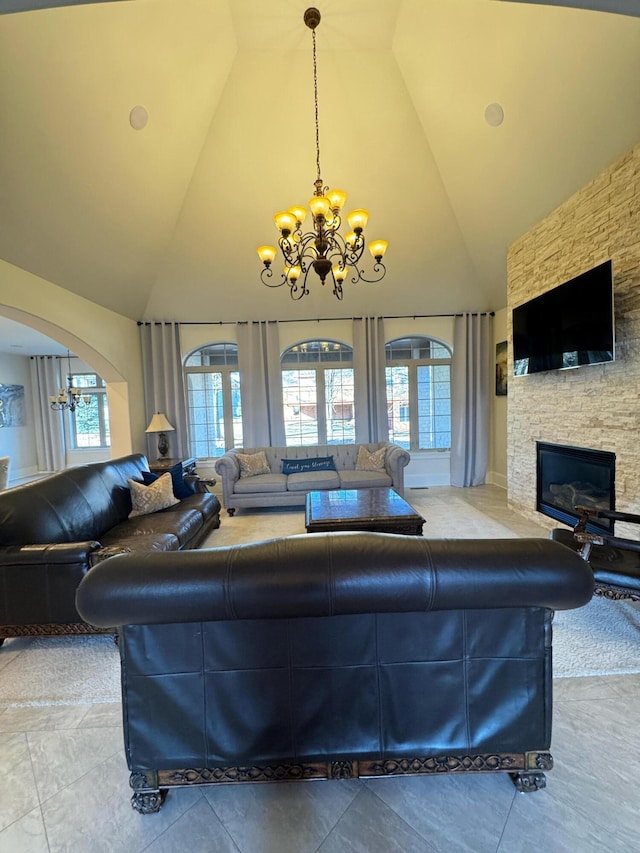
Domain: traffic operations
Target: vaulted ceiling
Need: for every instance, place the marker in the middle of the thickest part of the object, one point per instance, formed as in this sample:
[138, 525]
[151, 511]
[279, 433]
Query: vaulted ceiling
[163, 221]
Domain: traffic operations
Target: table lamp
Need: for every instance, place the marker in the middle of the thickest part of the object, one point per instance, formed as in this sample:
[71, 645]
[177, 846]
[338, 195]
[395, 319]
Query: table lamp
[161, 425]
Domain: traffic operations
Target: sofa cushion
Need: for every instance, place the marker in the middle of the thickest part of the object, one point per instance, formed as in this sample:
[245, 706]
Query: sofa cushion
[371, 460]
[364, 479]
[183, 524]
[205, 502]
[152, 498]
[253, 464]
[137, 544]
[299, 466]
[313, 480]
[260, 483]
[181, 489]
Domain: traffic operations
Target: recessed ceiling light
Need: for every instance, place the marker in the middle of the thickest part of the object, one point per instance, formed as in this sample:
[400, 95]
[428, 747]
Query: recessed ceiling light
[138, 117]
[494, 115]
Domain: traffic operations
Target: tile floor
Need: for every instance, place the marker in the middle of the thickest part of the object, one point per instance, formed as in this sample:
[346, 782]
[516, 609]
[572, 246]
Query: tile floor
[64, 787]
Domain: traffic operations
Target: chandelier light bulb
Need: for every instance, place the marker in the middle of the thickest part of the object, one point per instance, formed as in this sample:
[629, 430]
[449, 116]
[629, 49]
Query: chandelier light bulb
[293, 274]
[319, 205]
[340, 273]
[378, 248]
[358, 219]
[337, 200]
[266, 254]
[299, 212]
[285, 222]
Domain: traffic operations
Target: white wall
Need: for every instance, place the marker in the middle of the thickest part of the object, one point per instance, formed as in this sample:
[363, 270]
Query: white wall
[18, 442]
[107, 341]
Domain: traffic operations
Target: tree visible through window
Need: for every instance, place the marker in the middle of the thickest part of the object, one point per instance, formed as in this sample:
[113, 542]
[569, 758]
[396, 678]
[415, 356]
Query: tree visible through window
[318, 395]
[90, 423]
[214, 408]
[419, 393]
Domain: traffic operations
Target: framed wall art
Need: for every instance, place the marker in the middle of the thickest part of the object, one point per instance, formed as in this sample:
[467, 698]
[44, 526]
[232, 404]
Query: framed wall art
[501, 369]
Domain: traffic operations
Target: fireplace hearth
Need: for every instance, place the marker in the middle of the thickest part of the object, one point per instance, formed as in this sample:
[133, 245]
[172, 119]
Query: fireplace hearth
[567, 477]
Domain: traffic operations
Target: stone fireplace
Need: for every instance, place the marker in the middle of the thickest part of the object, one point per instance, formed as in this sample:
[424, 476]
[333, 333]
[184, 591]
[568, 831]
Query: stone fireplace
[567, 477]
[593, 406]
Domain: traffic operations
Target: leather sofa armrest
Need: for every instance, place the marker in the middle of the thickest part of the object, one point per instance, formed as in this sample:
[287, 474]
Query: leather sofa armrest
[194, 481]
[53, 554]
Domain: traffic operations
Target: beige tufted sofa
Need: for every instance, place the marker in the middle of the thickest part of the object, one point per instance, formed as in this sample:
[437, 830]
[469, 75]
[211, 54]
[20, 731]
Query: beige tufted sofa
[279, 489]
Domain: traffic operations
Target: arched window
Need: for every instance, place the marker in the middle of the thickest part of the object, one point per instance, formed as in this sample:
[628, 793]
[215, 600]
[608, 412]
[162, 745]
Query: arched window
[317, 392]
[419, 393]
[214, 408]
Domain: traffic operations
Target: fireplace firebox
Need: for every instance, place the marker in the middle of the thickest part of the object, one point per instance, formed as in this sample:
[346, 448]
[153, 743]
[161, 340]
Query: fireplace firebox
[567, 477]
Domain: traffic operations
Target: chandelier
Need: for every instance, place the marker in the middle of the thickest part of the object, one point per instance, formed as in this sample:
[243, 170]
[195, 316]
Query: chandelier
[70, 398]
[323, 248]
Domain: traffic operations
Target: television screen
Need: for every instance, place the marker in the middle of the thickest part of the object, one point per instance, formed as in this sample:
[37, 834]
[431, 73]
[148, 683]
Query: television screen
[568, 326]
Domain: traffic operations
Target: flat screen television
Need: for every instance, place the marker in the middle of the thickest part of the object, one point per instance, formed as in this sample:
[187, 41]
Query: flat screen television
[568, 326]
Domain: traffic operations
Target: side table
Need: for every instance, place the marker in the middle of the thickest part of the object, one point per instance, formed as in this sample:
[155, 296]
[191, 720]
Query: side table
[159, 466]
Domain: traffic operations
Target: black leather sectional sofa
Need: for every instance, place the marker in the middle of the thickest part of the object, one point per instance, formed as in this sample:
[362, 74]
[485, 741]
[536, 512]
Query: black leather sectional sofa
[54, 530]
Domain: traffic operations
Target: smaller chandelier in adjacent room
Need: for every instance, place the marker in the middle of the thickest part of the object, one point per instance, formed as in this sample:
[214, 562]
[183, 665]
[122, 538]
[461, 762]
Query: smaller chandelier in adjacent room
[324, 249]
[70, 398]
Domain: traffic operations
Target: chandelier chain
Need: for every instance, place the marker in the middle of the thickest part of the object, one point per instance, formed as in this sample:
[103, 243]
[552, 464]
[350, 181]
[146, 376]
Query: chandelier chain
[315, 92]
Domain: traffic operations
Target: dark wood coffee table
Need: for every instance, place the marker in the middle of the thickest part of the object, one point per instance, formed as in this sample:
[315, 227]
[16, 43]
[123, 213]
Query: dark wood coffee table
[376, 510]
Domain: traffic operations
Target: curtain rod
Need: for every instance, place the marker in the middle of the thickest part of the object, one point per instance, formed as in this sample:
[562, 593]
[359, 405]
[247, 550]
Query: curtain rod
[305, 319]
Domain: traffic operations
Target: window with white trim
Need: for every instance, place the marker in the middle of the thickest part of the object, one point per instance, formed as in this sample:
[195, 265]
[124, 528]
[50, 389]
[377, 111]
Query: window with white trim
[89, 423]
[214, 407]
[318, 393]
[418, 375]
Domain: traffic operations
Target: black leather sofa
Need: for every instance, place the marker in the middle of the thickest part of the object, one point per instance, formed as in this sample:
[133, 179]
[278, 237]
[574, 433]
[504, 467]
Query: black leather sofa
[52, 531]
[335, 655]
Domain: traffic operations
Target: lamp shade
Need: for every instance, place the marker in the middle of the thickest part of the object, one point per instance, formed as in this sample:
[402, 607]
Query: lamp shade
[159, 423]
[378, 248]
[358, 219]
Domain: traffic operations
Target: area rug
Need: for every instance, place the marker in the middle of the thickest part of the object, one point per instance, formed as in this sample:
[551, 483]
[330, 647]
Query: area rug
[601, 638]
[59, 671]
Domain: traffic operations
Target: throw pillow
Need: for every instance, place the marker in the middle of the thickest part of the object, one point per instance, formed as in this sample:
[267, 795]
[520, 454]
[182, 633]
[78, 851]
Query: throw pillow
[252, 464]
[181, 489]
[297, 466]
[151, 498]
[371, 460]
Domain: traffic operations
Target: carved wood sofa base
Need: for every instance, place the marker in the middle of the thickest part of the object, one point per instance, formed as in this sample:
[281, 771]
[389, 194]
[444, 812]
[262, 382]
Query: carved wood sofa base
[615, 593]
[54, 629]
[150, 787]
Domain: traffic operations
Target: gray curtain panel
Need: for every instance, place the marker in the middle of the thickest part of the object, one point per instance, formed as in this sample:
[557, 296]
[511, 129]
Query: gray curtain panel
[369, 363]
[51, 445]
[471, 375]
[260, 384]
[164, 385]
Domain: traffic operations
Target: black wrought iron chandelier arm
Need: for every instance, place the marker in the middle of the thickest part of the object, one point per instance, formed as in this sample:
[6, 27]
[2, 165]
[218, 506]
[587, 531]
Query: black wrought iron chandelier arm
[378, 268]
[267, 273]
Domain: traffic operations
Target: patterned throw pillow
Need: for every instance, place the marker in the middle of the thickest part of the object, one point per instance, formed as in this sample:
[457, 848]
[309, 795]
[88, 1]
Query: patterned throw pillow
[252, 464]
[301, 466]
[151, 498]
[181, 489]
[371, 460]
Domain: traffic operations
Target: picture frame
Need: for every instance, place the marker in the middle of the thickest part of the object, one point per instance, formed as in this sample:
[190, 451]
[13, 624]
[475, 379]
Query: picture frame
[501, 369]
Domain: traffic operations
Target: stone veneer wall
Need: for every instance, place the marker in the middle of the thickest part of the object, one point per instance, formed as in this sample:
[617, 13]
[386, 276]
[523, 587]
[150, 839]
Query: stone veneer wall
[595, 406]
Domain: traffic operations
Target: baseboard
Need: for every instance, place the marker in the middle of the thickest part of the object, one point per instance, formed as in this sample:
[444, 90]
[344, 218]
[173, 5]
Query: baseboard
[497, 479]
[422, 482]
